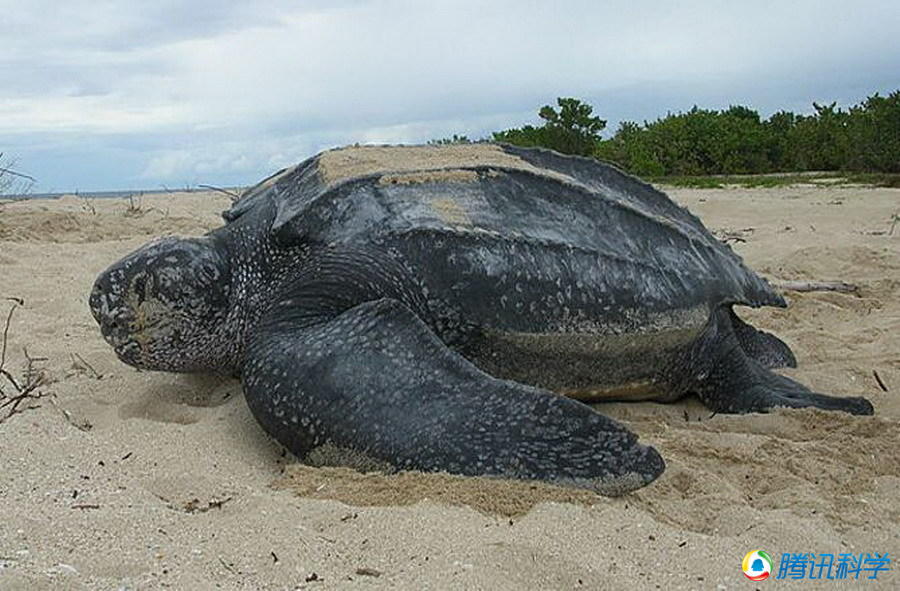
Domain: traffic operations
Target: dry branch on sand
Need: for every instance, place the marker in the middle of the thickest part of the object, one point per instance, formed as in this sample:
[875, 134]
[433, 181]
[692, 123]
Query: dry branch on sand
[231, 194]
[12, 181]
[26, 390]
[727, 235]
[839, 286]
[136, 208]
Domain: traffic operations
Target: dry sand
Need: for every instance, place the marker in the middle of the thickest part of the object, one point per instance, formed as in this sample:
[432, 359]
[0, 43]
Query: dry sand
[135, 480]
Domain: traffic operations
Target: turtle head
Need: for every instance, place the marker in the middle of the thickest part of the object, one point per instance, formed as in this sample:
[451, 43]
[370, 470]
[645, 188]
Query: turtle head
[163, 306]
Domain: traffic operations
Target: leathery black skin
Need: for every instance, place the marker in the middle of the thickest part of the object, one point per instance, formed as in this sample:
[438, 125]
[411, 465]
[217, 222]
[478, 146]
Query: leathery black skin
[428, 322]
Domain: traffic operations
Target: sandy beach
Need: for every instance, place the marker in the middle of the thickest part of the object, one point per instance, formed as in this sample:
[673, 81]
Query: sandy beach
[135, 480]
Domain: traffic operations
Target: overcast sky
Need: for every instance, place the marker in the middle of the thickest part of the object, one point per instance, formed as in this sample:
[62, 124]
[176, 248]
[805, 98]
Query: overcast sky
[112, 95]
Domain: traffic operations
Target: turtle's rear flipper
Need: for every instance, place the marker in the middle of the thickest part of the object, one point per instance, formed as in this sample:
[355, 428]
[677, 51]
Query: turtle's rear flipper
[728, 380]
[763, 347]
[374, 387]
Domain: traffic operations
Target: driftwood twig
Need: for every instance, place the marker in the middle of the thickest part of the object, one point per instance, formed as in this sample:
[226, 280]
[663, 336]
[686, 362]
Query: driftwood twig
[79, 363]
[18, 174]
[880, 382]
[26, 392]
[799, 285]
[234, 196]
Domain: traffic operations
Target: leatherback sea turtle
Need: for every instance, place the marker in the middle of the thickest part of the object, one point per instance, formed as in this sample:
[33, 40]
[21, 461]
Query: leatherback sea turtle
[423, 307]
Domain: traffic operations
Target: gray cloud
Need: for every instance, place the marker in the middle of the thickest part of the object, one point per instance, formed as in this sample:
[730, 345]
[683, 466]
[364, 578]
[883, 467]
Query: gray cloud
[224, 92]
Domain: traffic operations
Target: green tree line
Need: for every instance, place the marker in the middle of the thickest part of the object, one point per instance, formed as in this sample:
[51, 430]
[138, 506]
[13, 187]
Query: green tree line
[736, 140]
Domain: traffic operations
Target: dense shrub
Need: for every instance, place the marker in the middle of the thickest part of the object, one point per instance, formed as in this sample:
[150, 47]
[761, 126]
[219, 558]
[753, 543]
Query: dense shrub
[866, 137]
[571, 130]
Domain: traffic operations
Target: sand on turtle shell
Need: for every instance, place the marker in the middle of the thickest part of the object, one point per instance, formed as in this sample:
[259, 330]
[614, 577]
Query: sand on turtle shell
[140, 480]
[412, 164]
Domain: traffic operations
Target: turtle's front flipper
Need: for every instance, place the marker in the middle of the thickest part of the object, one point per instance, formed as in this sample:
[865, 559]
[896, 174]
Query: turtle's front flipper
[761, 346]
[374, 386]
[728, 380]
